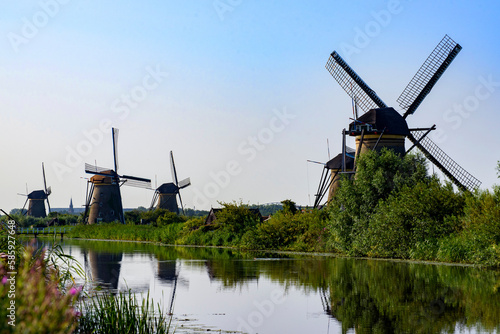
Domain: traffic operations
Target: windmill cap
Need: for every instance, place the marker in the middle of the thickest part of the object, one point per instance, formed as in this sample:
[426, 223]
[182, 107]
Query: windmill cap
[37, 194]
[336, 163]
[385, 118]
[168, 188]
[102, 178]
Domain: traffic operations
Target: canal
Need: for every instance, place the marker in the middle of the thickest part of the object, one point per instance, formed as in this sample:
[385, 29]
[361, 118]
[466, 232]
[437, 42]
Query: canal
[227, 291]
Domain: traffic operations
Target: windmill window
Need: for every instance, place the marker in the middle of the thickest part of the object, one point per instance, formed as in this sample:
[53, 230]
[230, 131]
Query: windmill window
[112, 212]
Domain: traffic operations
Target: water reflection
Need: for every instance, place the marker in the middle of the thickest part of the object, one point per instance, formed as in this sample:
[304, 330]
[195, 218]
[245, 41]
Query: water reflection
[223, 288]
[105, 267]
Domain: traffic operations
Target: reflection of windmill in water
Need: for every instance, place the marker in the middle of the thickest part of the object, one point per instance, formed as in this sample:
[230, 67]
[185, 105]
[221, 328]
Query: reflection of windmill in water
[36, 199]
[381, 126]
[165, 196]
[103, 268]
[168, 273]
[103, 200]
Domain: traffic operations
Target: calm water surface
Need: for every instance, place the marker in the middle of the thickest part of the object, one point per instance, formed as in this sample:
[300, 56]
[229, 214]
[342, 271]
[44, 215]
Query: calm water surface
[221, 290]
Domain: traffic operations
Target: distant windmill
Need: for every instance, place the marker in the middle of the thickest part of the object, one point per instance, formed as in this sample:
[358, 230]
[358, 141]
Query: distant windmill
[103, 199]
[36, 198]
[165, 196]
[381, 126]
[332, 171]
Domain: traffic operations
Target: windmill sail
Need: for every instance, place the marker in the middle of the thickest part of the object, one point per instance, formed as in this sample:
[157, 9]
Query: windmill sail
[47, 191]
[184, 183]
[92, 169]
[355, 87]
[115, 148]
[172, 168]
[137, 182]
[428, 74]
[458, 175]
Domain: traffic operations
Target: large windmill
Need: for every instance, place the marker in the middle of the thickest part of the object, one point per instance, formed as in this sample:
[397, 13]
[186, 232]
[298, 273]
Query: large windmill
[381, 126]
[103, 199]
[165, 196]
[37, 198]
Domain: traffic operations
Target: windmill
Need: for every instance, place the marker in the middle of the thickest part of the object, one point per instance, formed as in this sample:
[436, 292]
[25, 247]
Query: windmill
[332, 171]
[381, 126]
[166, 195]
[103, 199]
[36, 199]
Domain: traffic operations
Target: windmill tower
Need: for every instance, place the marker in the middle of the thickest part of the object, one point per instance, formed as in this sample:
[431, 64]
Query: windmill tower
[36, 200]
[103, 200]
[382, 126]
[165, 196]
[343, 163]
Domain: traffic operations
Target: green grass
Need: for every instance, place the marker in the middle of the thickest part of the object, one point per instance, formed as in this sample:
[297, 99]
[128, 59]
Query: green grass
[122, 314]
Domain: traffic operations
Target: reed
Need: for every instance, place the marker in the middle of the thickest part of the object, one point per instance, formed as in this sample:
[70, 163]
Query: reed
[122, 313]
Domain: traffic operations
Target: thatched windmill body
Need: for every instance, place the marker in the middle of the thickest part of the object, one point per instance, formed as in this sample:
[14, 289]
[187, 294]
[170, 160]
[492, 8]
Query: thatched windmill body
[36, 200]
[103, 200]
[165, 196]
[382, 126]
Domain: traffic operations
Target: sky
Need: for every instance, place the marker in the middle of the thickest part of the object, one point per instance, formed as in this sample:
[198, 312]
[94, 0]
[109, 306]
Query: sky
[237, 89]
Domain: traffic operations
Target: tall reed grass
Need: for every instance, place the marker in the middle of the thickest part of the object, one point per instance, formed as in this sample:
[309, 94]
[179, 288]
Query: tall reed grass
[122, 313]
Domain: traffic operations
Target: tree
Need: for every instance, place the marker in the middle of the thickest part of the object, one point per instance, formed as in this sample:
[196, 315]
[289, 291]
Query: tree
[289, 206]
[378, 175]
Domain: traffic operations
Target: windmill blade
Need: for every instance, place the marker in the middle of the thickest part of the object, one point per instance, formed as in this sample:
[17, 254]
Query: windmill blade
[172, 169]
[428, 74]
[92, 169]
[184, 183]
[180, 200]
[24, 206]
[154, 199]
[355, 87]
[458, 175]
[115, 147]
[88, 199]
[44, 179]
[48, 204]
[137, 182]
[321, 186]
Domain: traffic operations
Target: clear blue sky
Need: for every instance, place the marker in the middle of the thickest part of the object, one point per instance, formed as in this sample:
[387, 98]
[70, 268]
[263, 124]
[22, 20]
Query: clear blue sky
[236, 88]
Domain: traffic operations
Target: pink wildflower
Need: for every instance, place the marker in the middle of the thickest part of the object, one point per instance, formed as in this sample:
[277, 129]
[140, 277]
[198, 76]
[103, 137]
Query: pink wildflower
[73, 291]
[4, 280]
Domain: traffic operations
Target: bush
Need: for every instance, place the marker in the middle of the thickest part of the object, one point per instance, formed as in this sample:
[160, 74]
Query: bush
[410, 217]
[302, 231]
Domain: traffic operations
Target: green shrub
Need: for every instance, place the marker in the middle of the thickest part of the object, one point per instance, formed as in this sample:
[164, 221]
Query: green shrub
[302, 231]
